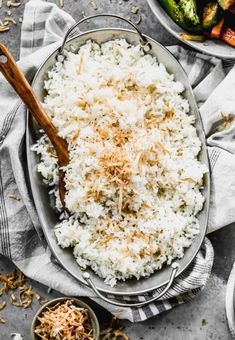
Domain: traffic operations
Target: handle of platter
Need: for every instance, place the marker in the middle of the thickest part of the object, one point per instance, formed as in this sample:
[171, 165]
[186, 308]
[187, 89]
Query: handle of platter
[174, 266]
[144, 43]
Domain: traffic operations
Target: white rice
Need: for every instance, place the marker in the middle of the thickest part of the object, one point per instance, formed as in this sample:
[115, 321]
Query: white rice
[133, 182]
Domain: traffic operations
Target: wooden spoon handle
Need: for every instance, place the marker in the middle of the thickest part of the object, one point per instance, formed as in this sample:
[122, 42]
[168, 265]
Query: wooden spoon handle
[18, 81]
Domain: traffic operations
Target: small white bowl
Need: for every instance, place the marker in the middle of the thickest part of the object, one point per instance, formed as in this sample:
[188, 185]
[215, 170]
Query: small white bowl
[213, 47]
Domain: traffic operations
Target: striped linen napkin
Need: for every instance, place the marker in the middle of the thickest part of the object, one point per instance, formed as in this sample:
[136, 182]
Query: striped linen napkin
[21, 236]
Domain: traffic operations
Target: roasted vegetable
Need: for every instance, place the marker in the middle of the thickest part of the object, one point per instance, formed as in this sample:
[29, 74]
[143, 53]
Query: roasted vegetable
[216, 30]
[189, 9]
[204, 18]
[226, 4]
[173, 10]
[192, 37]
[211, 12]
[228, 36]
[182, 13]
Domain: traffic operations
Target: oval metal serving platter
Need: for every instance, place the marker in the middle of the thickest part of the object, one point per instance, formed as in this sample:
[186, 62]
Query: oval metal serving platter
[48, 216]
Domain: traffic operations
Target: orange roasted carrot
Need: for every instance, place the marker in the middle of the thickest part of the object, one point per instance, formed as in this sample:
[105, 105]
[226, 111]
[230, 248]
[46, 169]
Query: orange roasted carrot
[228, 36]
[216, 30]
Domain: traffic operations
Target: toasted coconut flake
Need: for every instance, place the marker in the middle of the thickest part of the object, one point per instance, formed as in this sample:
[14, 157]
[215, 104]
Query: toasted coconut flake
[80, 66]
[94, 5]
[12, 280]
[189, 180]
[226, 123]
[104, 134]
[9, 19]
[162, 148]
[13, 4]
[12, 295]
[75, 136]
[49, 290]
[16, 282]
[138, 21]
[43, 301]
[14, 197]
[115, 166]
[4, 28]
[18, 304]
[120, 137]
[120, 199]
[134, 9]
[106, 239]
[111, 333]
[2, 320]
[3, 305]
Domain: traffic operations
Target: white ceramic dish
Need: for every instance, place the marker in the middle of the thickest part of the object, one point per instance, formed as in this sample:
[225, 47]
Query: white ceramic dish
[213, 47]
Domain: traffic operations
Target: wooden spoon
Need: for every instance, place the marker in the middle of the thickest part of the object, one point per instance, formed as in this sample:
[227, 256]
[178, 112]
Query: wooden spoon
[15, 77]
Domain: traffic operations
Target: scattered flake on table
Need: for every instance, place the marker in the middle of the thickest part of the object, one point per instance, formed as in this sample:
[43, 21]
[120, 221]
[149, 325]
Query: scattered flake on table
[113, 331]
[13, 4]
[2, 320]
[94, 5]
[12, 296]
[13, 21]
[42, 302]
[225, 123]
[4, 29]
[17, 282]
[14, 197]
[134, 9]
[84, 16]
[138, 21]
[3, 305]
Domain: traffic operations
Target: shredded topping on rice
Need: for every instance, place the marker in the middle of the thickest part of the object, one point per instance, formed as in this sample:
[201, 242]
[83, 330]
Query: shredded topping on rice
[116, 166]
[133, 182]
